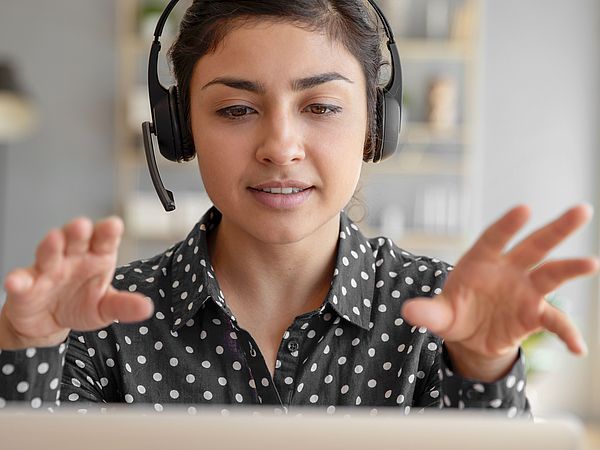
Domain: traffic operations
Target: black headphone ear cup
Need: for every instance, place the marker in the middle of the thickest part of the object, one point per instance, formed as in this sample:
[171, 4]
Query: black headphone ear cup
[174, 119]
[163, 127]
[391, 126]
[181, 132]
[389, 115]
[377, 140]
[182, 144]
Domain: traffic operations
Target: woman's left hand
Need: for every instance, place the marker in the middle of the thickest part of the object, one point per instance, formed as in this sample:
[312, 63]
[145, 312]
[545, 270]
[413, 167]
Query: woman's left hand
[493, 299]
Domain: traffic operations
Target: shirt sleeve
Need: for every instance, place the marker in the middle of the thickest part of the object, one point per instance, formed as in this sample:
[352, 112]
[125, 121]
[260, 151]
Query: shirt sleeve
[47, 376]
[81, 381]
[32, 376]
[443, 388]
[451, 390]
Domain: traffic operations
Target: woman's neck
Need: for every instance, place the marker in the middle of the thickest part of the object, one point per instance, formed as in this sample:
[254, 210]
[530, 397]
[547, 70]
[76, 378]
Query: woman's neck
[291, 278]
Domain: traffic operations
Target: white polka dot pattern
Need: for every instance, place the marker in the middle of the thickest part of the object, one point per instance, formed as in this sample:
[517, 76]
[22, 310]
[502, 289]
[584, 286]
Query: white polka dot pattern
[353, 350]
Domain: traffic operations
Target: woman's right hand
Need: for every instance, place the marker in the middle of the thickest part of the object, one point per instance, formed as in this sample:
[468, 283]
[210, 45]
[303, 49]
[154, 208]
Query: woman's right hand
[68, 287]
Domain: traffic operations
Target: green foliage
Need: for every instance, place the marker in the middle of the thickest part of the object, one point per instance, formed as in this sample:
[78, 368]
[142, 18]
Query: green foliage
[536, 359]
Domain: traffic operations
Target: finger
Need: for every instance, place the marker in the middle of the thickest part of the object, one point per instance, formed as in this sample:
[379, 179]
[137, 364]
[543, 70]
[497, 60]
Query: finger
[18, 282]
[536, 246]
[124, 307]
[107, 236]
[435, 314]
[496, 236]
[558, 323]
[549, 276]
[49, 253]
[77, 235]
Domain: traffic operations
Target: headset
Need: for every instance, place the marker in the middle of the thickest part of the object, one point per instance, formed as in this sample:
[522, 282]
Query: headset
[170, 127]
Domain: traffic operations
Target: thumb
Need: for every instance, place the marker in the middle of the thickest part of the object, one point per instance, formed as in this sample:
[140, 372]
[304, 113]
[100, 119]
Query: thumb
[19, 281]
[125, 307]
[435, 314]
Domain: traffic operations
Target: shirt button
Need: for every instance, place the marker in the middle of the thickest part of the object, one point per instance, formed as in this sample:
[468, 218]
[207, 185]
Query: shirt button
[472, 394]
[292, 346]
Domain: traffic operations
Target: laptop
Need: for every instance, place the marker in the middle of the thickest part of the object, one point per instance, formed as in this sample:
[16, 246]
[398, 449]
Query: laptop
[240, 428]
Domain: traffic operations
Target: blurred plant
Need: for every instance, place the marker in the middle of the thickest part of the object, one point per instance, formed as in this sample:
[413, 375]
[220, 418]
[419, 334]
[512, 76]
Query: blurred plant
[539, 359]
[151, 7]
[148, 13]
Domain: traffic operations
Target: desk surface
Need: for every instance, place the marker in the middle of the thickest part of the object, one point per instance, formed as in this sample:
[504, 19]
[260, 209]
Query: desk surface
[126, 430]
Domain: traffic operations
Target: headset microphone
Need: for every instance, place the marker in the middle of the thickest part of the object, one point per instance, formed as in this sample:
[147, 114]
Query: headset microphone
[173, 136]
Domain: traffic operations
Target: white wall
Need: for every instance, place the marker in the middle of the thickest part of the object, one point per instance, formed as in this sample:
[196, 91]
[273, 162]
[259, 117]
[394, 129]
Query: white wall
[64, 51]
[540, 141]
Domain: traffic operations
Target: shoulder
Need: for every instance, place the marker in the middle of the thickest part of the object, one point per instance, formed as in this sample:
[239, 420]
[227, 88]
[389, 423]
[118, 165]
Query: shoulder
[146, 276]
[150, 277]
[401, 274]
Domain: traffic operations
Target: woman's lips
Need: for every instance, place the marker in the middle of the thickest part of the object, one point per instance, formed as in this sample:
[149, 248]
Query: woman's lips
[282, 184]
[281, 201]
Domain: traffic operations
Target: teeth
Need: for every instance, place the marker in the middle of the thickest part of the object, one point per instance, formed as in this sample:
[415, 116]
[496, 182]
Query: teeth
[285, 191]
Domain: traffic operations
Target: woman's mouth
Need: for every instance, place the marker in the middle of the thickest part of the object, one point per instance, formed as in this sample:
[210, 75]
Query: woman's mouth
[281, 198]
[284, 191]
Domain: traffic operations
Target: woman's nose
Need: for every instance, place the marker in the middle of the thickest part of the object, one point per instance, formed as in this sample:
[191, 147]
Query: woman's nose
[282, 141]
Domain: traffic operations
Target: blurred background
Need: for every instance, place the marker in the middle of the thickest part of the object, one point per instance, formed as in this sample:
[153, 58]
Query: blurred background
[501, 107]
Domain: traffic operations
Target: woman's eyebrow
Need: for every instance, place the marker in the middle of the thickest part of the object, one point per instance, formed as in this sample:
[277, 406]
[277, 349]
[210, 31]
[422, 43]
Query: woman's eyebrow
[297, 85]
[315, 80]
[238, 83]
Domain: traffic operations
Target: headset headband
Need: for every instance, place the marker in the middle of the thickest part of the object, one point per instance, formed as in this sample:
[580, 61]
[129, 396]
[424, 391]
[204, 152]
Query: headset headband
[394, 85]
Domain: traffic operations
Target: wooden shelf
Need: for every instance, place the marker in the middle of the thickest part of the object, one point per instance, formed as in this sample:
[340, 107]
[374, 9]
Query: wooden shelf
[419, 240]
[412, 162]
[427, 154]
[427, 241]
[424, 133]
[433, 49]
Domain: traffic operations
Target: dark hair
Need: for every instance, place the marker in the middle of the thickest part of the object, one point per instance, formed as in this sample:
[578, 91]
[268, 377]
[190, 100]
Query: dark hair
[351, 22]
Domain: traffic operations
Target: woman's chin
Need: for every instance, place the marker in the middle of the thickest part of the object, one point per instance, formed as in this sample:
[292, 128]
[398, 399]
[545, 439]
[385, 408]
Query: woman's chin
[288, 229]
[281, 235]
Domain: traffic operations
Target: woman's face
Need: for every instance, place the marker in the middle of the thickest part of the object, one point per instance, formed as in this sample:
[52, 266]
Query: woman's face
[279, 118]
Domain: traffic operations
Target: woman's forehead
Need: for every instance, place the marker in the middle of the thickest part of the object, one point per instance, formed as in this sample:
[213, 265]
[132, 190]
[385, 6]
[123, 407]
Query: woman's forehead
[280, 51]
[261, 25]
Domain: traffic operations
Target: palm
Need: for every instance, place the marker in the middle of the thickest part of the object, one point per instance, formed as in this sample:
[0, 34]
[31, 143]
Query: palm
[494, 299]
[68, 287]
[478, 291]
[67, 296]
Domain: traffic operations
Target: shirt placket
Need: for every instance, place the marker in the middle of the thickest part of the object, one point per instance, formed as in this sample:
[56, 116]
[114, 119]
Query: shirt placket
[261, 377]
[288, 359]
[280, 390]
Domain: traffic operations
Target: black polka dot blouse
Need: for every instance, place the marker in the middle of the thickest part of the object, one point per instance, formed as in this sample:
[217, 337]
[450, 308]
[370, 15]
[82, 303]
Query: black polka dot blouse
[355, 350]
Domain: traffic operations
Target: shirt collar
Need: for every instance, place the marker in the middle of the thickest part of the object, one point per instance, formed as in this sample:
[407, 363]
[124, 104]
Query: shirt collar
[353, 285]
[192, 275]
[193, 279]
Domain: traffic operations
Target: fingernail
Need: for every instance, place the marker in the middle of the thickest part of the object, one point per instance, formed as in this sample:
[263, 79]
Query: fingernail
[583, 347]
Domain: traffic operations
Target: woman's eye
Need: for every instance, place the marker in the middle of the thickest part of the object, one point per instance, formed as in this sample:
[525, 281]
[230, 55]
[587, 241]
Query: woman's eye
[235, 112]
[322, 110]
[239, 111]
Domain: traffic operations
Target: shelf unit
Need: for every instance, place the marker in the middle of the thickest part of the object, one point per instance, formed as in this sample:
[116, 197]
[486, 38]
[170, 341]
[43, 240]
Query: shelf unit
[419, 198]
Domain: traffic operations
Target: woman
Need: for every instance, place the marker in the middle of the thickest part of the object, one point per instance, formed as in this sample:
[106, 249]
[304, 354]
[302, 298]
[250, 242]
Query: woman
[275, 297]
